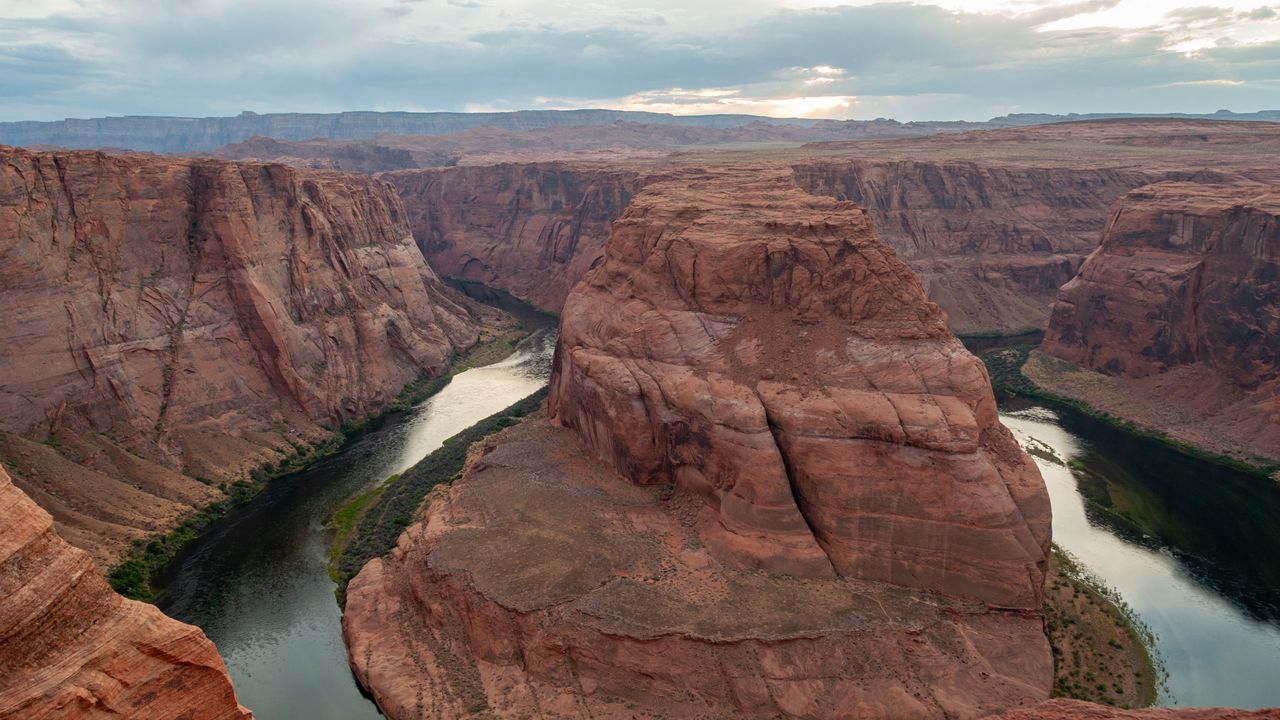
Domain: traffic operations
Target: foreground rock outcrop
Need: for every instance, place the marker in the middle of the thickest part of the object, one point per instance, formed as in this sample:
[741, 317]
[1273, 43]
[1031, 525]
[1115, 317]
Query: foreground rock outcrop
[70, 647]
[772, 484]
[171, 324]
[1177, 314]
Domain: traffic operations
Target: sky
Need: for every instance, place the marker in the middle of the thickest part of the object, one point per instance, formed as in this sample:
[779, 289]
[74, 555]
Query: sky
[925, 60]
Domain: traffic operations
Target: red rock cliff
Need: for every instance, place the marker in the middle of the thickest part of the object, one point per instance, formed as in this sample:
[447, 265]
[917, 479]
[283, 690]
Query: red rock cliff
[70, 647]
[991, 243]
[1186, 286]
[169, 320]
[775, 486]
[532, 229]
[772, 356]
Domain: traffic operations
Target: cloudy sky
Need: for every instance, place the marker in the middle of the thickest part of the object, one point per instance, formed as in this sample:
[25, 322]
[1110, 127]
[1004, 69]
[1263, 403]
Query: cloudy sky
[934, 59]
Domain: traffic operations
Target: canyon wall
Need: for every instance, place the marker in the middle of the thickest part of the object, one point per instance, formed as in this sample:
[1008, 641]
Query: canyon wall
[70, 647]
[992, 244]
[1179, 307]
[171, 324]
[532, 229]
[770, 484]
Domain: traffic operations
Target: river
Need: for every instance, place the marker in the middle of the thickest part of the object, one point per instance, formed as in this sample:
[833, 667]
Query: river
[1192, 547]
[258, 583]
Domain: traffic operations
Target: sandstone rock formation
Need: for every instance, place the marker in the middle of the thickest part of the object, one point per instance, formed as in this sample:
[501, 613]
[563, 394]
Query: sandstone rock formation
[763, 350]
[1181, 304]
[70, 647]
[532, 229]
[995, 221]
[172, 321]
[992, 244]
[772, 485]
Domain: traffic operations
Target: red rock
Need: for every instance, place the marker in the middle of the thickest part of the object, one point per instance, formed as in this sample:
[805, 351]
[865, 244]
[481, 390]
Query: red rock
[533, 230]
[768, 354]
[174, 319]
[70, 647]
[1186, 284]
[707, 536]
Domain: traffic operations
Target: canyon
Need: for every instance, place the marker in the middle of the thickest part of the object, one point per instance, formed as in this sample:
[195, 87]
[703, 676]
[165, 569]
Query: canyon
[769, 482]
[174, 323]
[1173, 319]
[70, 647]
[993, 222]
[531, 229]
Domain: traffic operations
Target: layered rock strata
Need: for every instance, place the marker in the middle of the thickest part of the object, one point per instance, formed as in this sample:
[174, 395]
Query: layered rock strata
[992, 243]
[531, 229]
[70, 647]
[172, 323]
[1179, 309]
[772, 485]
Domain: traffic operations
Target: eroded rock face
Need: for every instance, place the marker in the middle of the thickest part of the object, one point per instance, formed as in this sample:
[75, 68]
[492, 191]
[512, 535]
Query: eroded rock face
[991, 243]
[772, 485]
[769, 354]
[531, 229]
[1186, 283]
[168, 320]
[70, 647]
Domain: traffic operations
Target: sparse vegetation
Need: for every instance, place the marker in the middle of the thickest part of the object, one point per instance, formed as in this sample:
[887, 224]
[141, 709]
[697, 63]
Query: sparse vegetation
[378, 524]
[134, 576]
[1102, 652]
[1005, 367]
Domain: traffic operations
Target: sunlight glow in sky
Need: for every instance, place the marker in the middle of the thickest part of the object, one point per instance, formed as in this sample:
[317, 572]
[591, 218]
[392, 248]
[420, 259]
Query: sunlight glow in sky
[926, 59]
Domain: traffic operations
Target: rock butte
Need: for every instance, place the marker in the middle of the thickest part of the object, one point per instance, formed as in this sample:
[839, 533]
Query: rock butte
[70, 647]
[176, 320]
[1180, 308]
[772, 484]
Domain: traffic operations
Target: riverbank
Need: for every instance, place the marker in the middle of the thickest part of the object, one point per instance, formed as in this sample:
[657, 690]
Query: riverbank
[135, 575]
[1006, 365]
[369, 525]
[1102, 652]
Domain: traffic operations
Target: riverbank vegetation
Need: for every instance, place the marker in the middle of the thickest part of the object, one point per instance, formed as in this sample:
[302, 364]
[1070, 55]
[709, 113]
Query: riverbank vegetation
[1004, 364]
[1102, 652]
[377, 518]
[135, 575]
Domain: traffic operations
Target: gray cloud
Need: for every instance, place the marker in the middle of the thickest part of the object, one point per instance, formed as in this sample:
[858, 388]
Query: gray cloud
[901, 59]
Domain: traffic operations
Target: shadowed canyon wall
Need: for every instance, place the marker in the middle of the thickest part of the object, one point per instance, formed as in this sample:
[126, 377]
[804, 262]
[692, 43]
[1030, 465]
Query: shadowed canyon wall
[771, 484]
[172, 323]
[991, 244]
[532, 229]
[70, 647]
[1180, 307]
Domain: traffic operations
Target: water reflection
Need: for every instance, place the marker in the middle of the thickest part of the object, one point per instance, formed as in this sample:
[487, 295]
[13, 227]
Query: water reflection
[257, 584]
[1187, 545]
